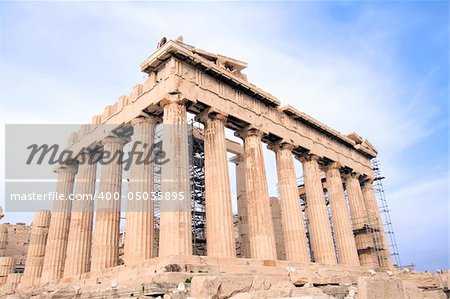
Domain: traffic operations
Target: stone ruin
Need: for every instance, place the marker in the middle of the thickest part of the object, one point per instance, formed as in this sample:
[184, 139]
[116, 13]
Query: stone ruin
[322, 238]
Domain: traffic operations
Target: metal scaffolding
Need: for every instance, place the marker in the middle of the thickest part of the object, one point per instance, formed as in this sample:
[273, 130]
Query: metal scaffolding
[197, 178]
[368, 235]
[304, 207]
[384, 211]
[157, 187]
[197, 188]
[369, 241]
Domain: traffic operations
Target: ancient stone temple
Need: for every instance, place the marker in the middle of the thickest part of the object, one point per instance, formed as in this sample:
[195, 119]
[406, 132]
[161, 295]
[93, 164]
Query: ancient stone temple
[321, 237]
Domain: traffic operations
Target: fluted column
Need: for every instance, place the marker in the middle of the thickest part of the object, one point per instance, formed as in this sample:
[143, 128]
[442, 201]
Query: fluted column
[3, 239]
[241, 192]
[261, 233]
[374, 212]
[275, 210]
[343, 232]
[219, 216]
[36, 249]
[6, 268]
[319, 225]
[78, 259]
[13, 280]
[175, 234]
[139, 229]
[105, 247]
[55, 252]
[364, 242]
[356, 201]
[291, 212]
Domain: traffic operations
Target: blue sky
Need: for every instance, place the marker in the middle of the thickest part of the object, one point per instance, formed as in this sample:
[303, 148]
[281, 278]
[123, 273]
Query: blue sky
[377, 68]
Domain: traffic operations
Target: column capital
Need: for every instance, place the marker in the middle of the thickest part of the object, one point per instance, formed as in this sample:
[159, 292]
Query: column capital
[307, 157]
[347, 175]
[211, 113]
[331, 165]
[146, 119]
[237, 159]
[115, 139]
[88, 155]
[280, 145]
[366, 180]
[249, 131]
[172, 98]
[67, 168]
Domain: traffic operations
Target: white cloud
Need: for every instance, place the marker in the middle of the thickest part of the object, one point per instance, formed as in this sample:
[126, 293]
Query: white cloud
[345, 75]
[423, 208]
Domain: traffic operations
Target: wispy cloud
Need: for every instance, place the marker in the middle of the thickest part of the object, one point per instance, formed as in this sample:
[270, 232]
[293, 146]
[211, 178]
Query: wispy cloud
[350, 72]
[423, 208]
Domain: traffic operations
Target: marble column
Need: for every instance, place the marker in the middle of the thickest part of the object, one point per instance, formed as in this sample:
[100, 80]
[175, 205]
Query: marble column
[219, 216]
[139, 229]
[36, 249]
[292, 221]
[175, 234]
[241, 192]
[261, 233]
[275, 210]
[343, 232]
[58, 234]
[105, 243]
[6, 268]
[3, 239]
[321, 240]
[370, 200]
[356, 201]
[13, 280]
[78, 259]
[359, 216]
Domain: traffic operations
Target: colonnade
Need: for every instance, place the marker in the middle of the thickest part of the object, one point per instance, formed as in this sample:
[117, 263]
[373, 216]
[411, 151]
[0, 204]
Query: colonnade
[95, 246]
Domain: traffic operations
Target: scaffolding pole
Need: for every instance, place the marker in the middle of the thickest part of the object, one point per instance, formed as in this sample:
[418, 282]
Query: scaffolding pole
[197, 189]
[197, 178]
[384, 211]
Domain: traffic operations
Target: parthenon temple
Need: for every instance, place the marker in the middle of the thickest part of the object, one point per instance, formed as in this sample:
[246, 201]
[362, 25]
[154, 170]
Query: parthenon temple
[323, 229]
